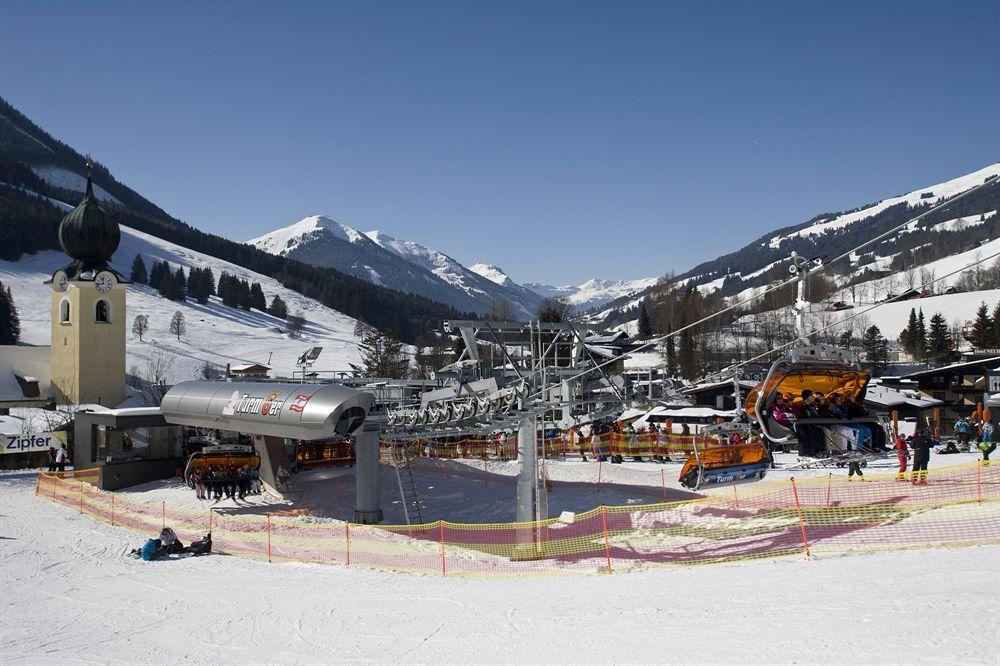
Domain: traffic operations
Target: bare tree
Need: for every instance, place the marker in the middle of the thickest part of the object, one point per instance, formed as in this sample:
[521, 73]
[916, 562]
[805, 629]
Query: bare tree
[151, 383]
[140, 325]
[177, 325]
[500, 309]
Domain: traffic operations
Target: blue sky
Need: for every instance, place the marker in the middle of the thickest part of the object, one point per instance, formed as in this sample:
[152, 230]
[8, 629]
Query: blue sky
[559, 141]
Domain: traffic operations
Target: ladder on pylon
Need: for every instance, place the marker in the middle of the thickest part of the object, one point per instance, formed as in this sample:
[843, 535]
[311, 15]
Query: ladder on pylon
[401, 462]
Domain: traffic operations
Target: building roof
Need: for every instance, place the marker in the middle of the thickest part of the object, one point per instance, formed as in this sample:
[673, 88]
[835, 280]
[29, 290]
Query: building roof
[712, 386]
[955, 368]
[25, 375]
[888, 397]
[247, 367]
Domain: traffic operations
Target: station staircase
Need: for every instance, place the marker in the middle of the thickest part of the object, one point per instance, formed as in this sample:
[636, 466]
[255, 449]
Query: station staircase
[402, 462]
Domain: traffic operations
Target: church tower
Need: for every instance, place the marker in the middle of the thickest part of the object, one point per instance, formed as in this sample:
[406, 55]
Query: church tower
[88, 309]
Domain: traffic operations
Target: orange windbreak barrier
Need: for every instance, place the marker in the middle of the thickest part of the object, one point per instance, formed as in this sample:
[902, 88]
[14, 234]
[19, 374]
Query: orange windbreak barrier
[848, 383]
[564, 445]
[726, 456]
[958, 506]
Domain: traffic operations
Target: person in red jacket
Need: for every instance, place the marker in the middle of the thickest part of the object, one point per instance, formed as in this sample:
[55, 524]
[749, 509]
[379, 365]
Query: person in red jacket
[904, 456]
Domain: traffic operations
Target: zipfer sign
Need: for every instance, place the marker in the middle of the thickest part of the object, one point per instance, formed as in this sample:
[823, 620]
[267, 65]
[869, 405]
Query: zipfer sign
[32, 442]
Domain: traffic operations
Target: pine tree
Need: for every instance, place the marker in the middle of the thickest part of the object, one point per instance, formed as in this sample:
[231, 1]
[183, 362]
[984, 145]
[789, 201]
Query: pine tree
[908, 337]
[920, 337]
[876, 349]
[382, 356]
[939, 340]
[278, 308]
[138, 274]
[645, 328]
[994, 341]
[688, 361]
[10, 321]
[982, 328]
[179, 287]
[256, 299]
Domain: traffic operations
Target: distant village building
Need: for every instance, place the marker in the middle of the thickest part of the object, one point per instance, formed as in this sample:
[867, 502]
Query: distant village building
[958, 387]
[249, 371]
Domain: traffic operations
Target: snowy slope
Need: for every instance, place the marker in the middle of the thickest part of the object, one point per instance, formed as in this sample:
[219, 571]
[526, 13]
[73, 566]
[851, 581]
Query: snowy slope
[215, 333]
[74, 573]
[70, 180]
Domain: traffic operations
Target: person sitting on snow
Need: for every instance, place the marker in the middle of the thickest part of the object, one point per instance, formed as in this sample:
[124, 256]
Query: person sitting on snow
[170, 543]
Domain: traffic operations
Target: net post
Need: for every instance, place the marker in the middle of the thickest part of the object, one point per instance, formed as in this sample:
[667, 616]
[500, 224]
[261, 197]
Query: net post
[599, 475]
[112, 508]
[607, 541]
[802, 524]
[736, 497]
[81, 497]
[268, 537]
[347, 535]
[663, 484]
[163, 514]
[829, 487]
[979, 481]
[441, 541]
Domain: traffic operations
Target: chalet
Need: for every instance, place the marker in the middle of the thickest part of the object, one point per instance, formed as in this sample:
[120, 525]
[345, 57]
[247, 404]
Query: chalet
[959, 387]
[249, 371]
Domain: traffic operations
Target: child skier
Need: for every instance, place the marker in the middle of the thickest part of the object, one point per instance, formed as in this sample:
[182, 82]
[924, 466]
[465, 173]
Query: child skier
[904, 456]
[986, 443]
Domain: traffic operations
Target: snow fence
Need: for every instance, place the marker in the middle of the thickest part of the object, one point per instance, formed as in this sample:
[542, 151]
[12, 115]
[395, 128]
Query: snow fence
[958, 506]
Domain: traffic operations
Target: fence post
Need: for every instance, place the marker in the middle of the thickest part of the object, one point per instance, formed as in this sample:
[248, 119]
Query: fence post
[607, 542]
[829, 486]
[268, 537]
[663, 484]
[163, 513]
[599, 475]
[347, 535]
[81, 497]
[112, 508]
[441, 540]
[979, 481]
[802, 524]
[736, 497]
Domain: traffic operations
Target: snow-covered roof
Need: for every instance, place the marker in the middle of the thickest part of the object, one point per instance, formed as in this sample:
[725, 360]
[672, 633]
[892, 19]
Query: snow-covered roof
[244, 367]
[25, 374]
[885, 396]
[954, 367]
[605, 339]
[698, 388]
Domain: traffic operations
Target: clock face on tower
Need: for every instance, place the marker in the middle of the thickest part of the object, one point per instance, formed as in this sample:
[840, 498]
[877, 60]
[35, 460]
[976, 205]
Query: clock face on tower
[104, 282]
[60, 282]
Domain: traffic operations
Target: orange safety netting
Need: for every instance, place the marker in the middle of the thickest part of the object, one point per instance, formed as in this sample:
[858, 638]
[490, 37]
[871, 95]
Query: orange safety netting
[958, 506]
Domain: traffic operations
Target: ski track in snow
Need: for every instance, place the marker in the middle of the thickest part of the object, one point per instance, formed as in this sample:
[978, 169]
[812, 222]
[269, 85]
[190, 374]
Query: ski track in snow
[72, 595]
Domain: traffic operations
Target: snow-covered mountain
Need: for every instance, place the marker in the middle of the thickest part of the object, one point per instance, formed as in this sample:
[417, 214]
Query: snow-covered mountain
[593, 293]
[398, 264]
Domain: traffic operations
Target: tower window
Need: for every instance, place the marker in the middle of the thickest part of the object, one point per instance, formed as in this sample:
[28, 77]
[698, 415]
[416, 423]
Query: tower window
[64, 311]
[102, 312]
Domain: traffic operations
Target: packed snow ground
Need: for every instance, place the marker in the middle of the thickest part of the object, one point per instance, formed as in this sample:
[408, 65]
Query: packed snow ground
[459, 491]
[70, 594]
[215, 333]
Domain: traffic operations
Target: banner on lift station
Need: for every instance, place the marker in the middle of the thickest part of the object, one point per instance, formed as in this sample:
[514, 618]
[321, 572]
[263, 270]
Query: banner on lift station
[32, 442]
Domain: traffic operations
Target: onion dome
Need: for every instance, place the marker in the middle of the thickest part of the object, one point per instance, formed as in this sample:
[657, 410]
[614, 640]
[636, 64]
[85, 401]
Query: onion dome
[86, 233]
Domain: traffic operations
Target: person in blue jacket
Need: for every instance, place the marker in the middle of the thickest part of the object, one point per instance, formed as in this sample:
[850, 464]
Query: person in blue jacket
[152, 550]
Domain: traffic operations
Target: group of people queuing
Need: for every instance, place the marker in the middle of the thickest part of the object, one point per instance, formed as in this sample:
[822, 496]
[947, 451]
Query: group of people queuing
[233, 482]
[967, 433]
[58, 458]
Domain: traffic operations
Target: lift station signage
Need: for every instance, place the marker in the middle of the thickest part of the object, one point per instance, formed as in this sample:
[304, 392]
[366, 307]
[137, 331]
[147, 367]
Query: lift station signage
[32, 442]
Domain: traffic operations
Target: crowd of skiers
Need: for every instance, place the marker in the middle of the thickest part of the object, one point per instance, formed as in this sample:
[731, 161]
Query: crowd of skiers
[232, 482]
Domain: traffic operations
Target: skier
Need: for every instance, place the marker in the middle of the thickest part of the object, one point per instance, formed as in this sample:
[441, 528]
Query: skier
[962, 430]
[904, 456]
[921, 445]
[52, 459]
[986, 443]
[62, 457]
